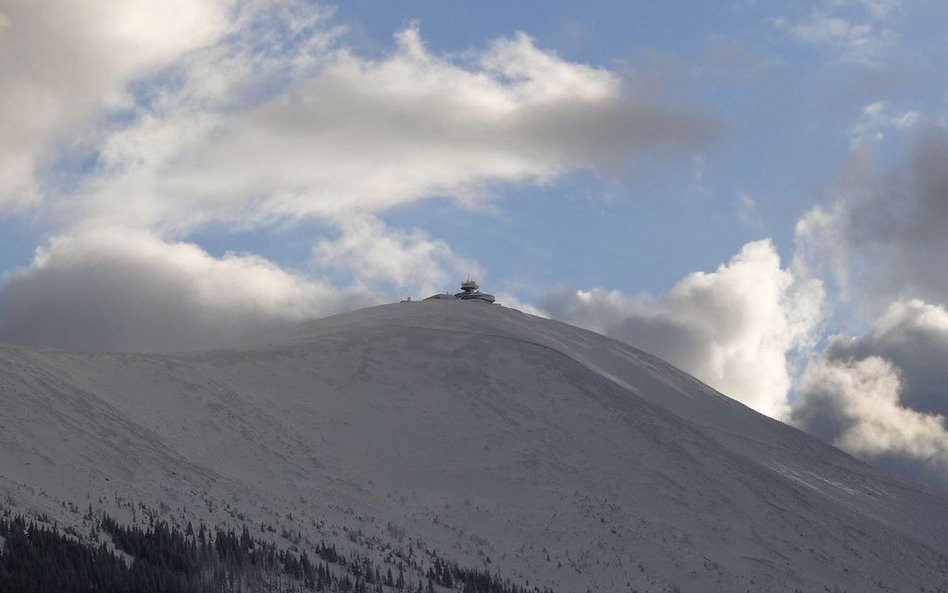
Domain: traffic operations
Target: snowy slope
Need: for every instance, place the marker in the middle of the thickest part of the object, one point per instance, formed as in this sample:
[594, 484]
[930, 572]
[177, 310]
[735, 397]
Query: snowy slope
[547, 453]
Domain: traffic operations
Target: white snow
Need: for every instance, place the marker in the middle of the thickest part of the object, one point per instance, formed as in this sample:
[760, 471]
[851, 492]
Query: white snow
[483, 432]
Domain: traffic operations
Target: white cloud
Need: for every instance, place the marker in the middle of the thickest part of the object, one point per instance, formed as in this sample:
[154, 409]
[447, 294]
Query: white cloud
[877, 9]
[847, 35]
[248, 115]
[342, 133]
[118, 289]
[913, 336]
[882, 396]
[734, 328]
[824, 29]
[877, 119]
[512, 301]
[598, 309]
[62, 63]
[748, 212]
[377, 255]
[856, 406]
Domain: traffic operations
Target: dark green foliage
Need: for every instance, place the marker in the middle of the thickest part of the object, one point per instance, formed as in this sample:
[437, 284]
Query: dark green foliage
[452, 576]
[39, 559]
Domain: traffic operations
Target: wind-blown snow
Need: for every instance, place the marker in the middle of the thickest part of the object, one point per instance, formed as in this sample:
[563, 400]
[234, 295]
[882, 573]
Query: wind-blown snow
[498, 438]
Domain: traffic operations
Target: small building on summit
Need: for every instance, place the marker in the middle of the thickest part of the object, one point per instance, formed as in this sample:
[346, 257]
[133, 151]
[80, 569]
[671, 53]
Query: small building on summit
[470, 291]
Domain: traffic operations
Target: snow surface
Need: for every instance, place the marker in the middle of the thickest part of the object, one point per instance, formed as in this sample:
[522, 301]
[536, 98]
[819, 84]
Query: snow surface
[549, 454]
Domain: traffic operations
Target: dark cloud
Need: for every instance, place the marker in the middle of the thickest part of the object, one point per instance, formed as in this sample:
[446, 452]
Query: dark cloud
[914, 337]
[128, 291]
[885, 233]
[883, 396]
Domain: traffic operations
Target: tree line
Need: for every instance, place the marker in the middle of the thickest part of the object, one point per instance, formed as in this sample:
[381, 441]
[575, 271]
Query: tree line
[38, 558]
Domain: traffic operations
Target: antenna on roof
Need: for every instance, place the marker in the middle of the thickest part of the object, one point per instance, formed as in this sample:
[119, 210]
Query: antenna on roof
[470, 291]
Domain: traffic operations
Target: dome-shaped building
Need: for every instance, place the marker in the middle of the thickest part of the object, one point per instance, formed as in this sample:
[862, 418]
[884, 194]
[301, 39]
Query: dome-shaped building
[470, 291]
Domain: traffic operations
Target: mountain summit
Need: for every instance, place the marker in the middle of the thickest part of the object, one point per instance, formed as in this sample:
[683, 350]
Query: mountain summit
[547, 454]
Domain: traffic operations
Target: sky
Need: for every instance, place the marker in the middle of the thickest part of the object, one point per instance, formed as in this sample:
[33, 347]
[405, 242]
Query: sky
[754, 190]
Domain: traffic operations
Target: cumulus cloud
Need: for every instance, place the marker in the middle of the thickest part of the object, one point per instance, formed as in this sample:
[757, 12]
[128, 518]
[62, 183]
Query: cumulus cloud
[879, 236]
[61, 64]
[119, 289]
[880, 233]
[882, 396]
[346, 133]
[252, 116]
[913, 336]
[735, 328]
[375, 255]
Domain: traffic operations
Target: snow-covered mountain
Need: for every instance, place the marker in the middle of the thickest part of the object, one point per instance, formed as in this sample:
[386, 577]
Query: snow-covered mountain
[546, 453]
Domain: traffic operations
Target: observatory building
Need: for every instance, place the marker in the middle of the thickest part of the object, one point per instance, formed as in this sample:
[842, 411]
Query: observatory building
[470, 291]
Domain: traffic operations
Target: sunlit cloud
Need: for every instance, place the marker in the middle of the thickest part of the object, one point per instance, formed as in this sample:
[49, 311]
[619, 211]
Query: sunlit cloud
[253, 117]
[350, 134]
[735, 328]
[881, 396]
[62, 66]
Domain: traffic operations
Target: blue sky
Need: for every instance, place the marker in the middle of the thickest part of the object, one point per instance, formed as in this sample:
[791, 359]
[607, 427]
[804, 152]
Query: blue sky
[752, 190]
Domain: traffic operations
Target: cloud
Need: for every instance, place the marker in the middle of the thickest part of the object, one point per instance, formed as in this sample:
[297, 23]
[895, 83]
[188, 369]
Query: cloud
[882, 396]
[877, 120]
[879, 236]
[877, 9]
[376, 255]
[119, 289]
[251, 116]
[913, 336]
[880, 233]
[337, 133]
[734, 328]
[856, 37]
[748, 213]
[823, 29]
[62, 64]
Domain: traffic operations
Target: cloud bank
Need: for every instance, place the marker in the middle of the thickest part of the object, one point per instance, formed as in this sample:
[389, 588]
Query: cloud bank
[347, 134]
[127, 128]
[246, 116]
[735, 328]
[369, 251]
[882, 231]
[125, 290]
[879, 237]
[62, 64]
[882, 396]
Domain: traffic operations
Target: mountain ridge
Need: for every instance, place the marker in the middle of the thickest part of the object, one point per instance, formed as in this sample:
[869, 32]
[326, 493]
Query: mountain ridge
[484, 431]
